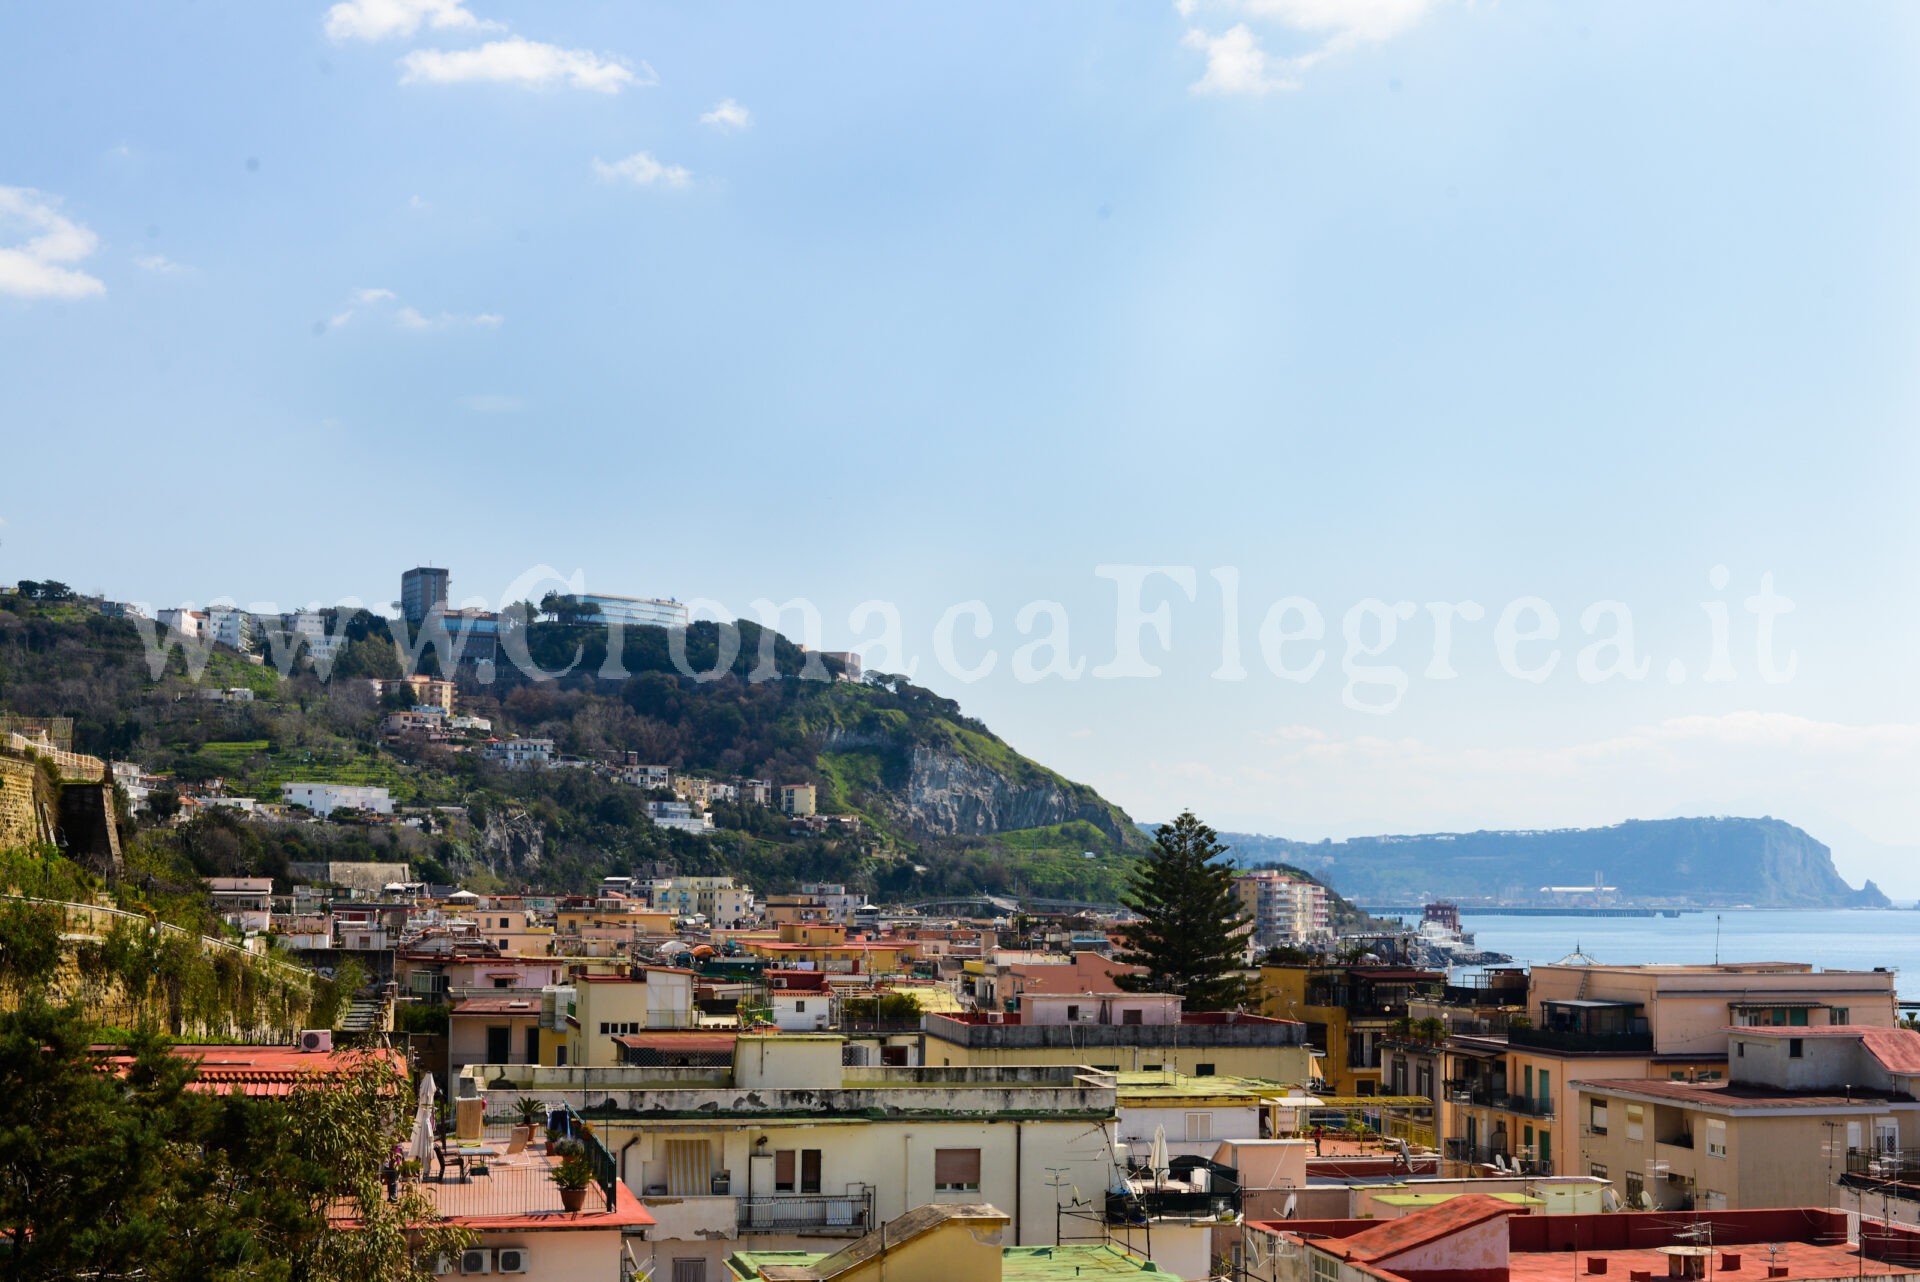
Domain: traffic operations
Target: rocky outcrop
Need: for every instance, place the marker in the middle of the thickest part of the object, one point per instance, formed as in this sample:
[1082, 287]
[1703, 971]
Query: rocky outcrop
[512, 838]
[946, 795]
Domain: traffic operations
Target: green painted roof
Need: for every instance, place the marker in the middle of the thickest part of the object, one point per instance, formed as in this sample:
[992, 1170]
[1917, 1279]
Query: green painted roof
[1017, 1263]
[1435, 1199]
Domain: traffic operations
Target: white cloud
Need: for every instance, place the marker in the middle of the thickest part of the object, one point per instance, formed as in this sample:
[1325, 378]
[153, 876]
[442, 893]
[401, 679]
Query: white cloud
[488, 403]
[159, 265]
[727, 116]
[642, 170]
[385, 19]
[529, 63]
[32, 267]
[387, 302]
[1236, 64]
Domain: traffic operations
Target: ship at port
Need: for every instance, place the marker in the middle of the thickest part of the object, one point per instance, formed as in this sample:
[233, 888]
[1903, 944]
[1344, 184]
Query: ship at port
[1445, 943]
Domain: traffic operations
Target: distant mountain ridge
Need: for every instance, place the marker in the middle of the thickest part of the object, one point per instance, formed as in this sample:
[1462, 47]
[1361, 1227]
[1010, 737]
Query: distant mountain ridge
[1709, 862]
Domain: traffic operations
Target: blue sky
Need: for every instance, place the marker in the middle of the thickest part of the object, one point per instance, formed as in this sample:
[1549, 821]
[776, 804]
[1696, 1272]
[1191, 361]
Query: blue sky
[1402, 300]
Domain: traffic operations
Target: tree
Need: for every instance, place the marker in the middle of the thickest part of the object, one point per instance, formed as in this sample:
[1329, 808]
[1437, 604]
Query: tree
[1189, 936]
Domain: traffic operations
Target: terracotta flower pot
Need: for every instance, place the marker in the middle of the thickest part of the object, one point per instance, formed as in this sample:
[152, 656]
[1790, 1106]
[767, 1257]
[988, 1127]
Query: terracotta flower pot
[573, 1199]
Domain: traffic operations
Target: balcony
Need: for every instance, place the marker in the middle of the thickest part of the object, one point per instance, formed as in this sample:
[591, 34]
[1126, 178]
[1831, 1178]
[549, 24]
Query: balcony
[1458, 1149]
[1527, 1106]
[1576, 1042]
[1192, 1189]
[848, 1214]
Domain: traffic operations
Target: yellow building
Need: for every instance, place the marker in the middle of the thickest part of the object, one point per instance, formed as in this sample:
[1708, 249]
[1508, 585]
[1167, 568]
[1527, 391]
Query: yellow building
[824, 947]
[1350, 1012]
[1206, 1044]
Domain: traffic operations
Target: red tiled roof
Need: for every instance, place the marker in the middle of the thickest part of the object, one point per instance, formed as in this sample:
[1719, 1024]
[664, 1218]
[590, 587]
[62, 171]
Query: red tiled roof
[688, 1043]
[272, 1070]
[1396, 1237]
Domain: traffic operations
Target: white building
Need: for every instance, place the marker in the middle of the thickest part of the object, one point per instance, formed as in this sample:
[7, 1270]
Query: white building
[679, 816]
[516, 752]
[230, 626]
[630, 611]
[191, 624]
[324, 798]
[311, 626]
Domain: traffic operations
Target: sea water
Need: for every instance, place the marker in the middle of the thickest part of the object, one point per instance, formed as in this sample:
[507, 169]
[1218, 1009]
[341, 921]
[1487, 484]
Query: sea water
[1848, 939]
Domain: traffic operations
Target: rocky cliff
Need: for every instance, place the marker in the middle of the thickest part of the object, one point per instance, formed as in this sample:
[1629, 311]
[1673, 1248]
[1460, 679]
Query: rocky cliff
[947, 795]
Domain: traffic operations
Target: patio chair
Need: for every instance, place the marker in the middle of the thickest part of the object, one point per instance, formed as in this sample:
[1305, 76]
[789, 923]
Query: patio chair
[450, 1154]
[518, 1142]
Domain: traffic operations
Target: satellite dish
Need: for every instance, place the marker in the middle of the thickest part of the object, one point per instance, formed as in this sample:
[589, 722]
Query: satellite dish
[1293, 1203]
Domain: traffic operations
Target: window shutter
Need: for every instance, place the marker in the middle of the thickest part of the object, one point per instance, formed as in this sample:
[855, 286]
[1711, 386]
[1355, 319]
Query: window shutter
[956, 1168]
[783, 1170]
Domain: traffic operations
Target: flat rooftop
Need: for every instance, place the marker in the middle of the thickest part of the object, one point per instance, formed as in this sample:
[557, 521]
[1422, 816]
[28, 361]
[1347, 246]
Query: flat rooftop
[1740, 1096]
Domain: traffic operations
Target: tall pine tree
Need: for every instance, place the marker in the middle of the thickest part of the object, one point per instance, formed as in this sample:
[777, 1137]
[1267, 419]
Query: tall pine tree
[1189, 937]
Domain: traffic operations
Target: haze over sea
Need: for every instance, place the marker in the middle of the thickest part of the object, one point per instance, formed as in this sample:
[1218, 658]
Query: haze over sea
[1839, 939]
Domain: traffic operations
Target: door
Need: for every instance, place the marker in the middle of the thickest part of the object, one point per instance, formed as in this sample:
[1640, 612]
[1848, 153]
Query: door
[533, 1044]
[499, 1044]
[1886, 1134]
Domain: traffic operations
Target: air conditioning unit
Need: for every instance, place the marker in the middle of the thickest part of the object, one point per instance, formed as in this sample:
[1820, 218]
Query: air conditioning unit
[476, 1261]
[510, 1259]
[317, 1039]
[443, 1265]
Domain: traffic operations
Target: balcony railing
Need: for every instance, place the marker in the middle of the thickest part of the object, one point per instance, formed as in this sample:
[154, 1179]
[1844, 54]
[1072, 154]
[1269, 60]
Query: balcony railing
[1886, 1163]
[1460, 1150]
[1553, 1039]
[847, 1214]
[1528, 1106]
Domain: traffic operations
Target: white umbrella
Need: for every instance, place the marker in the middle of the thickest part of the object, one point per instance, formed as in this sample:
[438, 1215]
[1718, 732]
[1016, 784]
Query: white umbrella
[1158, 1157]
[421, 1145]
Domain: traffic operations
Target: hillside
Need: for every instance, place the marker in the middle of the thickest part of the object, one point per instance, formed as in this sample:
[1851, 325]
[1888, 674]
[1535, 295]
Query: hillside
[945, 804]
[1765, 863]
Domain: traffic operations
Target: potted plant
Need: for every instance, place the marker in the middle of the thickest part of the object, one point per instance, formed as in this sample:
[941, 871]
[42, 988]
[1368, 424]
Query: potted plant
[572, 1177]
[554, 1135]
[527, 1112]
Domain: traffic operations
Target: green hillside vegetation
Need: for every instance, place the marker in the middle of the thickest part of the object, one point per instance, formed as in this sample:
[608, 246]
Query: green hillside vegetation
[563, 829]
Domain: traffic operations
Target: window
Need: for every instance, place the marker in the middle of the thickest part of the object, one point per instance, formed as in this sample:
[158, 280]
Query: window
[1199, 1126]
[1203, 1070]
[1636, 1122]
[1597, 1117]
[606, 1029]
[1149, 1068]
[1796, 1047]
[1716, 1138]
[800, 1007]
[503, 983]
[1839, 1015]
[1073, 1014]
[1596, 1170]
[783, 1166]
[809, 1170]
[1133, 1016]
[1740, 1050]
[1636, 1191]
[956, 1170]
[1325, 1267]
[690, 1271]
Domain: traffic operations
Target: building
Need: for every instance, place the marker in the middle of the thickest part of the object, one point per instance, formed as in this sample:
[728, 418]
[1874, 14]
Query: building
[370, 878]
[596, 1009]
[632, 611]
[323, 799]
[720, 900]
[1490, 1239]
[953, 1242]
[816, 902]
[1286, 907]
[1350, 1011]
[310, 626]
[423, 691]
[1801, 1107]
[679, 816]
[423, 590]
[1122, 1032]
[183, 621]
[798, 799]
[246, 902]
[517, 753]
[494, 1028]
[787, 1148]
[827, 947]
[1510, 1096]
[230, 626]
